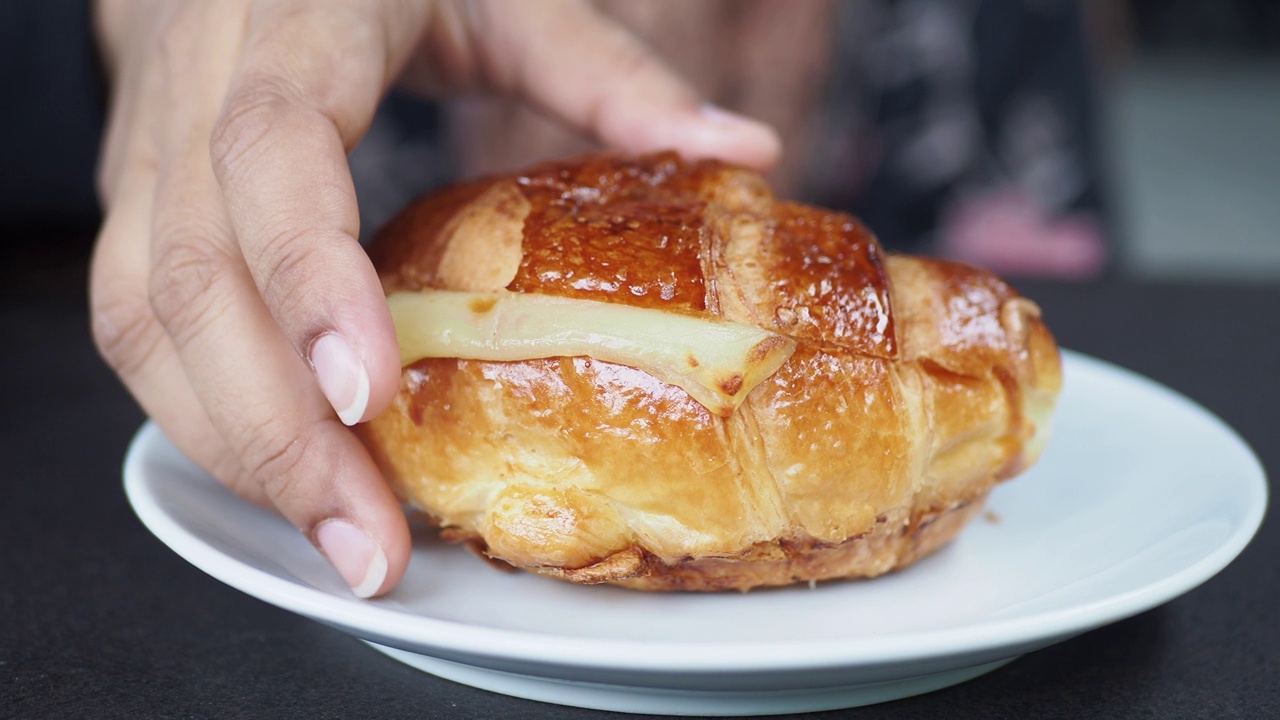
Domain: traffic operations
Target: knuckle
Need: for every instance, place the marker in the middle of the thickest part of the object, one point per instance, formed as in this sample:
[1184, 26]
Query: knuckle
[235, 479]
[288, 270]
[259, 105]
[275, 458]
[226, 469]
[124, 329]
[184, 287]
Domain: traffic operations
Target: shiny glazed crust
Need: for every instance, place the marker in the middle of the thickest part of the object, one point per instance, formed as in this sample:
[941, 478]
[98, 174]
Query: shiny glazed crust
[916, 386]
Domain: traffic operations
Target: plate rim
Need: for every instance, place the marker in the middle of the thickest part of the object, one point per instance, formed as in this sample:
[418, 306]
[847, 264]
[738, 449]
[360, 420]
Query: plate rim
[457, 639]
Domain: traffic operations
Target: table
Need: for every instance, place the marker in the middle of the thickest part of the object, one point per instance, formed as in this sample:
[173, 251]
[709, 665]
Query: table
[99, 620]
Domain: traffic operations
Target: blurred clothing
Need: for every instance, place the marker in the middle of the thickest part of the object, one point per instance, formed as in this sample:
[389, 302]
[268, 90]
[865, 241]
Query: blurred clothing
[968, 129]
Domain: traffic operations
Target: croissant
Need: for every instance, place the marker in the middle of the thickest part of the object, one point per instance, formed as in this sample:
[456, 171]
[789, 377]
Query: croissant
[875, 401]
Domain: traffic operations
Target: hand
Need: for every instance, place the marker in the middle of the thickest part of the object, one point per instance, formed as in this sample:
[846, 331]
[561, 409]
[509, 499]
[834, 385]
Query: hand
[228, 289]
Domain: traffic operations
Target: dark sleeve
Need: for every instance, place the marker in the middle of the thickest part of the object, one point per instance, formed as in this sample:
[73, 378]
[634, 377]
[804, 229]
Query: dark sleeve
[52, 117]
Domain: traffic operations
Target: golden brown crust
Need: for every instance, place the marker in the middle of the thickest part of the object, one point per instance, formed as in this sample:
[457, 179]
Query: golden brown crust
[887, 547]
[916, 385]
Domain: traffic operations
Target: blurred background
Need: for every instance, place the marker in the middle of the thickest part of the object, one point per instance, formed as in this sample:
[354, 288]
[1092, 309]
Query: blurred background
[1048, 138]
[1071, 139]
[1192, 127]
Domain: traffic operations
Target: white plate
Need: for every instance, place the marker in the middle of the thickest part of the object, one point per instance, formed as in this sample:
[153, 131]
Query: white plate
[1141, 496]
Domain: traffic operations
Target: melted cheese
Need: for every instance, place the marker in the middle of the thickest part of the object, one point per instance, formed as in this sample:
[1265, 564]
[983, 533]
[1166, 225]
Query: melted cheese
[716, 361]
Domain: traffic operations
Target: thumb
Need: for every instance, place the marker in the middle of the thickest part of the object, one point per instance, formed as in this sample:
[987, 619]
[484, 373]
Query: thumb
[581, 67]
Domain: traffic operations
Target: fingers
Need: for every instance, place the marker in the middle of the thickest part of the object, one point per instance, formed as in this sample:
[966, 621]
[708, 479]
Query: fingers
[306, 87]
[125, 330]
[178, 312]
[256, 390]
[242, 313]
[600, 78]
[131, 339]
[581, 67]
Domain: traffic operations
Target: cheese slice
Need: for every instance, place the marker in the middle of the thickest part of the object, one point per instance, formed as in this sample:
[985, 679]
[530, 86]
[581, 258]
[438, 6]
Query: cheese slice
[716, 361]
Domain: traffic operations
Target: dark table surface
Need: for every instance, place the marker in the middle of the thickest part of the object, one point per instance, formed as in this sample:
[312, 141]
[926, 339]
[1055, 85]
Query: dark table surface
[98, 619]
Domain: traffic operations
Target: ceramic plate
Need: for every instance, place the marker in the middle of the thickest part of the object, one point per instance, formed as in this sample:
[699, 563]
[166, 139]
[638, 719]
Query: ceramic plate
[1141, 496]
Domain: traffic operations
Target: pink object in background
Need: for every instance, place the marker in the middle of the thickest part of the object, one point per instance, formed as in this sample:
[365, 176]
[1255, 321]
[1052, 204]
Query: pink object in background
[1009, 232]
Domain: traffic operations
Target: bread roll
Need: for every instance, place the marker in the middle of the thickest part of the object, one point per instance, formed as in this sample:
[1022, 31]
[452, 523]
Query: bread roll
[913, 387]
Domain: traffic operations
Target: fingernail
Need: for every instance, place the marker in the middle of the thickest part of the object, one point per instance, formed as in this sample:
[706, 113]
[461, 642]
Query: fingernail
[342, 377]
[741, 138]
[355, 554]
[717, 114]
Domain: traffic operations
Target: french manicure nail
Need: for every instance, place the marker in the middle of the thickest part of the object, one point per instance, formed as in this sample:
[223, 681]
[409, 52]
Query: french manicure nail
[354, 554]
[342, 377]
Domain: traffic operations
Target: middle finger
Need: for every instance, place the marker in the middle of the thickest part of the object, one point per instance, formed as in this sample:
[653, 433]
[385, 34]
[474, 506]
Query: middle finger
[257, 392]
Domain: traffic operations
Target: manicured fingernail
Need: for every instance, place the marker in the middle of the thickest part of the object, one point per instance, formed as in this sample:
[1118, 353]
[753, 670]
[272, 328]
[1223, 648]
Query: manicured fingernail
[355, 554]
[747, 140]
[342, 377]
[717, 114]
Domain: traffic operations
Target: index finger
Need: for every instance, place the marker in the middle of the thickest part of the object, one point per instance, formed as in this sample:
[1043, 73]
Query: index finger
[306, 87]
[254, 388]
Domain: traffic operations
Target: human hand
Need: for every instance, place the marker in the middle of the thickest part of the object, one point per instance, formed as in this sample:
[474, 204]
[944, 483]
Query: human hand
[773, 59]
[228, 290]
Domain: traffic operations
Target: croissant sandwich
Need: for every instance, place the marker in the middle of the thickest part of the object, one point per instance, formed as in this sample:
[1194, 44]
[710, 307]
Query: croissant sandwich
[652, 372]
